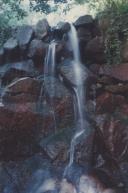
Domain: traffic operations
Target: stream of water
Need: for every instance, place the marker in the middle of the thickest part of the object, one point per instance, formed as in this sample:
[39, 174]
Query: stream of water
[49, 71]
[79, 103]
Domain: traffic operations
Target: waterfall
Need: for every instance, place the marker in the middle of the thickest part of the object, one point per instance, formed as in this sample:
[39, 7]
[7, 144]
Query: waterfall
[49, 70]
[1, 94]
[79, 101]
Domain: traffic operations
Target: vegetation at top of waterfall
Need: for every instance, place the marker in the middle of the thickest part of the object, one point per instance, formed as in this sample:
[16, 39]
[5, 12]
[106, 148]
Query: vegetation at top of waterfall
[114, 13]
[10, 13]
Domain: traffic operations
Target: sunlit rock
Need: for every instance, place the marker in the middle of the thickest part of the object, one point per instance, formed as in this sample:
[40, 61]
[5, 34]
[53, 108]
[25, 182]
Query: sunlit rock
[42, 29]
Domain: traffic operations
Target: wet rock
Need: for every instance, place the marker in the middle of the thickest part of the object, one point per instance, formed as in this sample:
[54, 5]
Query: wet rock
[1, 56]
[17, 70]
[68, 73]
[42, 29]
[57, 145]
[60, 100]
[11, 50]
[22, 126]
[37, 51]
[107, 102]
[119, 72]
[94, 51]
[25, 85]
[24, 89]
[84, 21]
[24, 35]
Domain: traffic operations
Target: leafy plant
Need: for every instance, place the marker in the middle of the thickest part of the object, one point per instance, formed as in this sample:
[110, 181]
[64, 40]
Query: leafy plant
[10, 13]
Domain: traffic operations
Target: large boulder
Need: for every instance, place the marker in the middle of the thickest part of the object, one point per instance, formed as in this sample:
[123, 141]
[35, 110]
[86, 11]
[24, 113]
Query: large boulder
[94, 51]
[16, 70]
[37, 51]
[42, 29]
[86, 21]
[11, 50]
[67, 71]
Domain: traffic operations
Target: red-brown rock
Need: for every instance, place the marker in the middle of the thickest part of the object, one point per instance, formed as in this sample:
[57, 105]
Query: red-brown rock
[119, 72]
[108, 102]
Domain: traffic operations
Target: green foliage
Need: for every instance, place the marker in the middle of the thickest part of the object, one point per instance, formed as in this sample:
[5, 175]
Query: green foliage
[47, 6]
[116, 12]
[10, 13]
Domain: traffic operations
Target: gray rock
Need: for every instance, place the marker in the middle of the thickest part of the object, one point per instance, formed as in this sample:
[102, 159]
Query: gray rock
[85, 21]
[41, 29]
[24, 35]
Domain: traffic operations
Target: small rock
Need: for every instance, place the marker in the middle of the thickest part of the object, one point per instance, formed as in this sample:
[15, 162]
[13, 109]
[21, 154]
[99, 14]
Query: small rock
[11, 44]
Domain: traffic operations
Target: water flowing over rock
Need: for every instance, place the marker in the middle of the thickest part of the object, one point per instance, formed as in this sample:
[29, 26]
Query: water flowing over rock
[63, 112]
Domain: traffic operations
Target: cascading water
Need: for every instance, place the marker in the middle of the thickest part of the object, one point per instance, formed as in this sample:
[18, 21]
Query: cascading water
[1, 94]
[49, 70]
[79, 93]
